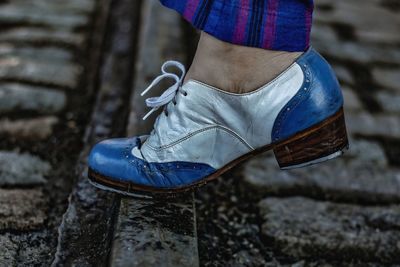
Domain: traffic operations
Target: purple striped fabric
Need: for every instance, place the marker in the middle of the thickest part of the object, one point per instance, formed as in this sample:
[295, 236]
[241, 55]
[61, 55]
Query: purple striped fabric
[309, 12]
[241, 21]
[269, 28]
[270, 24]
[190, 9]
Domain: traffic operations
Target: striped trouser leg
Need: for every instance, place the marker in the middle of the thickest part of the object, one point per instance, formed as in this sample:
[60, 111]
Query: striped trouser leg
[270, 24]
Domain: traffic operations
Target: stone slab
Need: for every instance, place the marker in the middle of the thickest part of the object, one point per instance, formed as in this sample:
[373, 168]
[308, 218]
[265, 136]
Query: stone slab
[368, 30]
[55, 6]
[41, 14]
[22, 209]
[323, 32]
[355, 51]
[24, 249]
[24, 98]
[367, 124]
[33, 248]
[228, 225]
[8, 251]
[40, 72]
[306, 228]
[361, 175]
[35, 129]
[343, 74]
[37, 35]
[22, 169]
[351, 100]
[389, 101]
[387, 77]
[86, 230]
[154, 233]
[36, 53]
[58, 6]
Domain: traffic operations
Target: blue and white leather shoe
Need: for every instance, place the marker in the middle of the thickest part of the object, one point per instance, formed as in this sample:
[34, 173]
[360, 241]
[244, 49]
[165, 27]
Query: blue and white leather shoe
[204, 131]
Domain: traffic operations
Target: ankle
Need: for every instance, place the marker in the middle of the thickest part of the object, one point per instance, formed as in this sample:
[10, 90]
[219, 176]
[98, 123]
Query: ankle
[236, 68]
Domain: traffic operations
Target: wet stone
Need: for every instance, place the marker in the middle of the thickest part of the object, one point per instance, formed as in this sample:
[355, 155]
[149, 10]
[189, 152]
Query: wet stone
[47, 54]
[49, 73]
[43, 36]
[228, 224]
[19, 98]
[364, 151]
[153, 233]
[366, 124]
[54, 6]
[333, 263]
[88, 224]
[361, 175]
[389, 78]
[22, 209]
[8, 251]
[22, 169]
[336, 32]
[244, 258]
[24, 249]
[323, 32]
[359, 20]
[85, 232]
[301, 227]
[343, 74]
[28, 129]
[351, 100]
[41, 14]
[389, 101]
[33, 248]
[355, 52]
[376, 35]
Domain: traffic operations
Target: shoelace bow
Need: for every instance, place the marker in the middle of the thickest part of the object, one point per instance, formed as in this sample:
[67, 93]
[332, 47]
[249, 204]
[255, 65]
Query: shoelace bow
[156, 102]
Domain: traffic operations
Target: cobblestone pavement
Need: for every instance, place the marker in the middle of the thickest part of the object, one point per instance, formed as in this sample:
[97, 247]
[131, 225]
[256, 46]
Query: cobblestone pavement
[344, 212]
[44, 54]
[340, 213]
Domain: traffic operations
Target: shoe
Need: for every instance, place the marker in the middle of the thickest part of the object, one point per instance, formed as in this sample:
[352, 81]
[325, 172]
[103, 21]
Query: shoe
[204, 131]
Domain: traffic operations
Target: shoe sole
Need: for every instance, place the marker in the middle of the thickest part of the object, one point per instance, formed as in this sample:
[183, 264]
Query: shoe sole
[324, 141]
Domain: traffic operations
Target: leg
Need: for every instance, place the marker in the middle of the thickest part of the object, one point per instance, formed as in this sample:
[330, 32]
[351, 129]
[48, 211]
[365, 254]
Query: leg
[235, 68]
[245, 44]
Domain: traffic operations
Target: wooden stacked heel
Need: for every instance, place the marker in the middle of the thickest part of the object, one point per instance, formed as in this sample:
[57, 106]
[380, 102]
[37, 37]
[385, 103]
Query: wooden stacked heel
[321, 142]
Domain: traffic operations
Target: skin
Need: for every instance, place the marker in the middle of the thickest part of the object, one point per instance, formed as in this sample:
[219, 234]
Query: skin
[234, 68]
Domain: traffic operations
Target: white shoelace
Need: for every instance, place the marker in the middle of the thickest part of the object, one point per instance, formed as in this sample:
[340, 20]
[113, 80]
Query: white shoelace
[156, 102]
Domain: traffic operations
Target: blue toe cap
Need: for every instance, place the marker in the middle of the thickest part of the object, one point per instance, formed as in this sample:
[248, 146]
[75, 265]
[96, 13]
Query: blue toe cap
[113, 158]
[108, 156]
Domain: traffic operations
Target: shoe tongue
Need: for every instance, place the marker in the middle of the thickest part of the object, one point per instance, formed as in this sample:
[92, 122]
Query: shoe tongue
[192, 113]
[140, 140]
